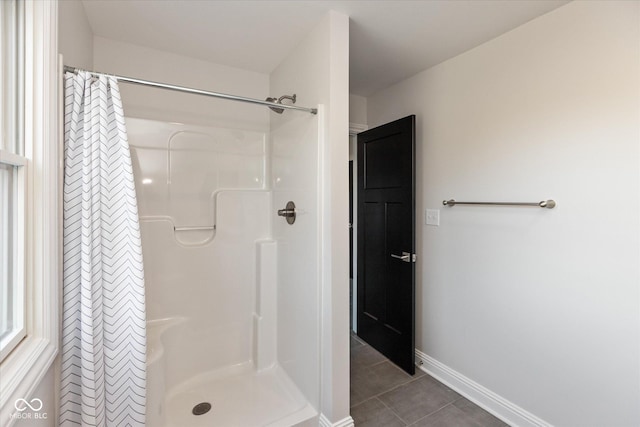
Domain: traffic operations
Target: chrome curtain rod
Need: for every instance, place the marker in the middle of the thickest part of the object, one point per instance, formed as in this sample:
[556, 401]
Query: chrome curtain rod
[125, 79]
[549, 204]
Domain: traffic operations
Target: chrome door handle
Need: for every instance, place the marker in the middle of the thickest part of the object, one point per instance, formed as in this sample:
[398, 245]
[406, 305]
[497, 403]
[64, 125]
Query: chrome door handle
[406, 256]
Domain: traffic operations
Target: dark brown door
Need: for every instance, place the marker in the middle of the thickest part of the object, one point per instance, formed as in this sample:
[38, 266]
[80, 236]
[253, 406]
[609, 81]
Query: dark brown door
[386, 240]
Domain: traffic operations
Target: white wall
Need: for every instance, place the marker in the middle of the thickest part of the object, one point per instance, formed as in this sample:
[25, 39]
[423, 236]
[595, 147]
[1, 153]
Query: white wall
[158, 104]
[357, 109]
[46, 392]
[75, 38]
[538, 306]
[310, 167]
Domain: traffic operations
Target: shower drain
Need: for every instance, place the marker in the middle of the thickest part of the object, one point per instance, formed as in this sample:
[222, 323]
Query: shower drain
[201, 408]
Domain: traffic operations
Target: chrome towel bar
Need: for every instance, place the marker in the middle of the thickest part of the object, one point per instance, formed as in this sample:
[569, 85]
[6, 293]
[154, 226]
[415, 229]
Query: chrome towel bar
[549, 204]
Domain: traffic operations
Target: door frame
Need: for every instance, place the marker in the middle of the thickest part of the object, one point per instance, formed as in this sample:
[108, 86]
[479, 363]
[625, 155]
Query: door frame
[355, 129]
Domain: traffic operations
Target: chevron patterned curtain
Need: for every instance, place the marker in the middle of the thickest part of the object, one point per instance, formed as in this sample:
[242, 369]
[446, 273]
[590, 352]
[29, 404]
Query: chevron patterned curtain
[103, 331]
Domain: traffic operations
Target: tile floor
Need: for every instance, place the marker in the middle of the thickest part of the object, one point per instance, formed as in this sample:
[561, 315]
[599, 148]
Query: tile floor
[384, 395]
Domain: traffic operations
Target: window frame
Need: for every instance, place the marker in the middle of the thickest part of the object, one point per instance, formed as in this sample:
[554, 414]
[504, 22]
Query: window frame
[23, 369]
[12, 157]
[17, 249]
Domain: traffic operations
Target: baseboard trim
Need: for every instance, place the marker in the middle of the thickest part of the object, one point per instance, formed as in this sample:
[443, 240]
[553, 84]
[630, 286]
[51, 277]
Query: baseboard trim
[507, 411]
[345, 422]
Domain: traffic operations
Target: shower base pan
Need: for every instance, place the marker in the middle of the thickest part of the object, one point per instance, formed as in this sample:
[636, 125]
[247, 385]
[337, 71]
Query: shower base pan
[240, 397]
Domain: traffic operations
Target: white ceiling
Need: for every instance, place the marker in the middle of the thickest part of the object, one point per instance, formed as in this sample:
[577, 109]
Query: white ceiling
[389, 40]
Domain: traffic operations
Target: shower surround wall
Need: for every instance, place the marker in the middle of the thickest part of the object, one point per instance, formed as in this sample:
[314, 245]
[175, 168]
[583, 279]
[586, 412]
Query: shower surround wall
[248, 296]
[211, 302]
[201, 282]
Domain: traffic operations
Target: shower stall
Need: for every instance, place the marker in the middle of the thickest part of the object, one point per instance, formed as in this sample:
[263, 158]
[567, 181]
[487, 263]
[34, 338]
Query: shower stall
[211, 261]
[247, 314]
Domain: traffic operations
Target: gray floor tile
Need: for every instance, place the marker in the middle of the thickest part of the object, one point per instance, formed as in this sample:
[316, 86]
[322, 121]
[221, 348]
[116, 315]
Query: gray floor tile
[419, 373]
[461, 413]
[364, 356]
[376, 379]
[384, 395]
[418, 398]
[449, 416]
[373, 413]
[475, 412]
[355, 342]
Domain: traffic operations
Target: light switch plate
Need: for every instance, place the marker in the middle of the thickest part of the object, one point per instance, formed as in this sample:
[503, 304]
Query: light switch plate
[432, 217]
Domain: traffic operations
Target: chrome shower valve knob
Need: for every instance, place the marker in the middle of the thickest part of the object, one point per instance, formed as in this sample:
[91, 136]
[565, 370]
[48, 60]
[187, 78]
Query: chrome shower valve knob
[289, 212]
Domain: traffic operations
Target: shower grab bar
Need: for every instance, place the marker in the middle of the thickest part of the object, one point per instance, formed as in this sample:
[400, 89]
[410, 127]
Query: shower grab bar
[549, 204]
[142, 82]
[194, 227]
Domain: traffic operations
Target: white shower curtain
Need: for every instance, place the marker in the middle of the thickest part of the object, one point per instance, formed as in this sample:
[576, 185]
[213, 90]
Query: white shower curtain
[103, 331]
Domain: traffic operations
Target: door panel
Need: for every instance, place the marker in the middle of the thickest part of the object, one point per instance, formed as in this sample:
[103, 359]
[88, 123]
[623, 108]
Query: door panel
[386, 227]
[374, 258]
[400, 278]
[388, 161]
[380, 160]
